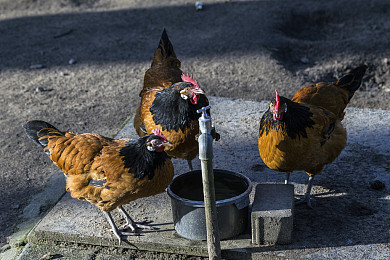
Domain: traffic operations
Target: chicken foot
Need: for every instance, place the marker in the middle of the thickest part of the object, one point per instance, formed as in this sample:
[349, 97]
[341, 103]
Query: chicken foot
[306, 199]
[131, 223]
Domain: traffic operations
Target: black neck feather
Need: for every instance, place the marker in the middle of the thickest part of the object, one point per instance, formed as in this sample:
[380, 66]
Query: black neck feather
[294, 123]
[139, 160]
[172, 112]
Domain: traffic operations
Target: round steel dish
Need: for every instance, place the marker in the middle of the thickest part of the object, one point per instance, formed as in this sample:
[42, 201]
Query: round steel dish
[232, 195]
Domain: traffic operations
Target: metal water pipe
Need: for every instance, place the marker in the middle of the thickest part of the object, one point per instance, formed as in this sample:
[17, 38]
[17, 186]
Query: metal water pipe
[206, 157]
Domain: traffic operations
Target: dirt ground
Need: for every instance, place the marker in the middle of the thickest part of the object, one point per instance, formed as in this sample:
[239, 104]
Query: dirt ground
[79, 64]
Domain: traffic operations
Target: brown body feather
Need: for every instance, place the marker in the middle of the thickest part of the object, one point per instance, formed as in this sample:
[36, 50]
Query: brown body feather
[333, 96]
[326, 95]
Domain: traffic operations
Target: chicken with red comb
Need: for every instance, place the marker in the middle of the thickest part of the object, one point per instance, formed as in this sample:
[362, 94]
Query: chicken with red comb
[169, 101]
[305, 132]
[125, 169]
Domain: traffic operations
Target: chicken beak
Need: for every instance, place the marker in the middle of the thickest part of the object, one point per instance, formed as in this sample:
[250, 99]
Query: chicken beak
[198, 91]
[167, 143]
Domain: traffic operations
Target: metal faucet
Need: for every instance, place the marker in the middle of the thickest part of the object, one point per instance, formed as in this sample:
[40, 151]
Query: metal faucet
[206, 156]
[205, 139]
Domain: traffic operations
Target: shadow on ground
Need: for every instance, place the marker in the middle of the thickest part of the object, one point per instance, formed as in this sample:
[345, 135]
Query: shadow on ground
[295, 37]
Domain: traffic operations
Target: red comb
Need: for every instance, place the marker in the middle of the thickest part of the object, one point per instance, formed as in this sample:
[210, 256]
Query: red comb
[188, 78]
[277, 100]
[158, 133]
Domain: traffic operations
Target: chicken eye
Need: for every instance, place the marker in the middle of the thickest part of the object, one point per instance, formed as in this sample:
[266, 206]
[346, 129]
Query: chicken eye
[149, 146]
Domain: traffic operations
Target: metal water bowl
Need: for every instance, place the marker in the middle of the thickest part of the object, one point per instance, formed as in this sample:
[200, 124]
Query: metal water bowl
[232, 194]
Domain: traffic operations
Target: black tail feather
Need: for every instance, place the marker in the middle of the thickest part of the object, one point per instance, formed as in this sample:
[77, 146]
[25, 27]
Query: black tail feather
[165, 45]
[353, 79]
[36, 129]
[164, 49]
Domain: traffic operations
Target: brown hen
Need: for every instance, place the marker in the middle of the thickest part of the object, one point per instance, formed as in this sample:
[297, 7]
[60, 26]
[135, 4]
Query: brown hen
[169, 101]
[128, 169]
[306, 133]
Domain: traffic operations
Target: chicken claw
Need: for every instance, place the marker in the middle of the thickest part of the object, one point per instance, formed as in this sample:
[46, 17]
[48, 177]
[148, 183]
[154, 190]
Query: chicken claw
[306, 200]
[132, 224]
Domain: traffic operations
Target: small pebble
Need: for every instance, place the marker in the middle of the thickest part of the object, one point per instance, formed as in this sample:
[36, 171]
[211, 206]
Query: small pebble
[304, 60]
[377, 185]
[72, 61]
[40, 89]
[198, 5]
[46, 256]
[36, 66]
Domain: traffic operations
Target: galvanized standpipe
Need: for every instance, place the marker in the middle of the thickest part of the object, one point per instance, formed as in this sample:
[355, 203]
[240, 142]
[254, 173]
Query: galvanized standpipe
[206, 156]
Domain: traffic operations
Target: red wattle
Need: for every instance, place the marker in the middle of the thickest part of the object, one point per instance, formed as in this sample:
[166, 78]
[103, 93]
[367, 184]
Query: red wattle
[194, 99]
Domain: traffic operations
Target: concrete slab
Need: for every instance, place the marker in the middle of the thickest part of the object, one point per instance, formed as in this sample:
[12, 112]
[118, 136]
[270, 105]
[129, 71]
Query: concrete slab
[349, 220]
[272, 214]
[40, 203]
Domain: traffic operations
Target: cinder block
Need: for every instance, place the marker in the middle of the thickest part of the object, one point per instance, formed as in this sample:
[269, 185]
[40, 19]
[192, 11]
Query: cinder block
[272, 214]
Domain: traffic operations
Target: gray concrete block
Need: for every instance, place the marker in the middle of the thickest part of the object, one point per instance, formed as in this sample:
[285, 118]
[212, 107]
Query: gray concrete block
[272, 214]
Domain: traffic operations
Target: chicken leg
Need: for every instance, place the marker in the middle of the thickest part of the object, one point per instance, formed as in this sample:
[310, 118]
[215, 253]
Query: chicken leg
[190, 164]
[113, 226]
[287, 180]
[306, 199]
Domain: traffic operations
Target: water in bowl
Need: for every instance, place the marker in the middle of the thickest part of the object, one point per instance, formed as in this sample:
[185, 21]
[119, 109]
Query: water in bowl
[226, 186]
